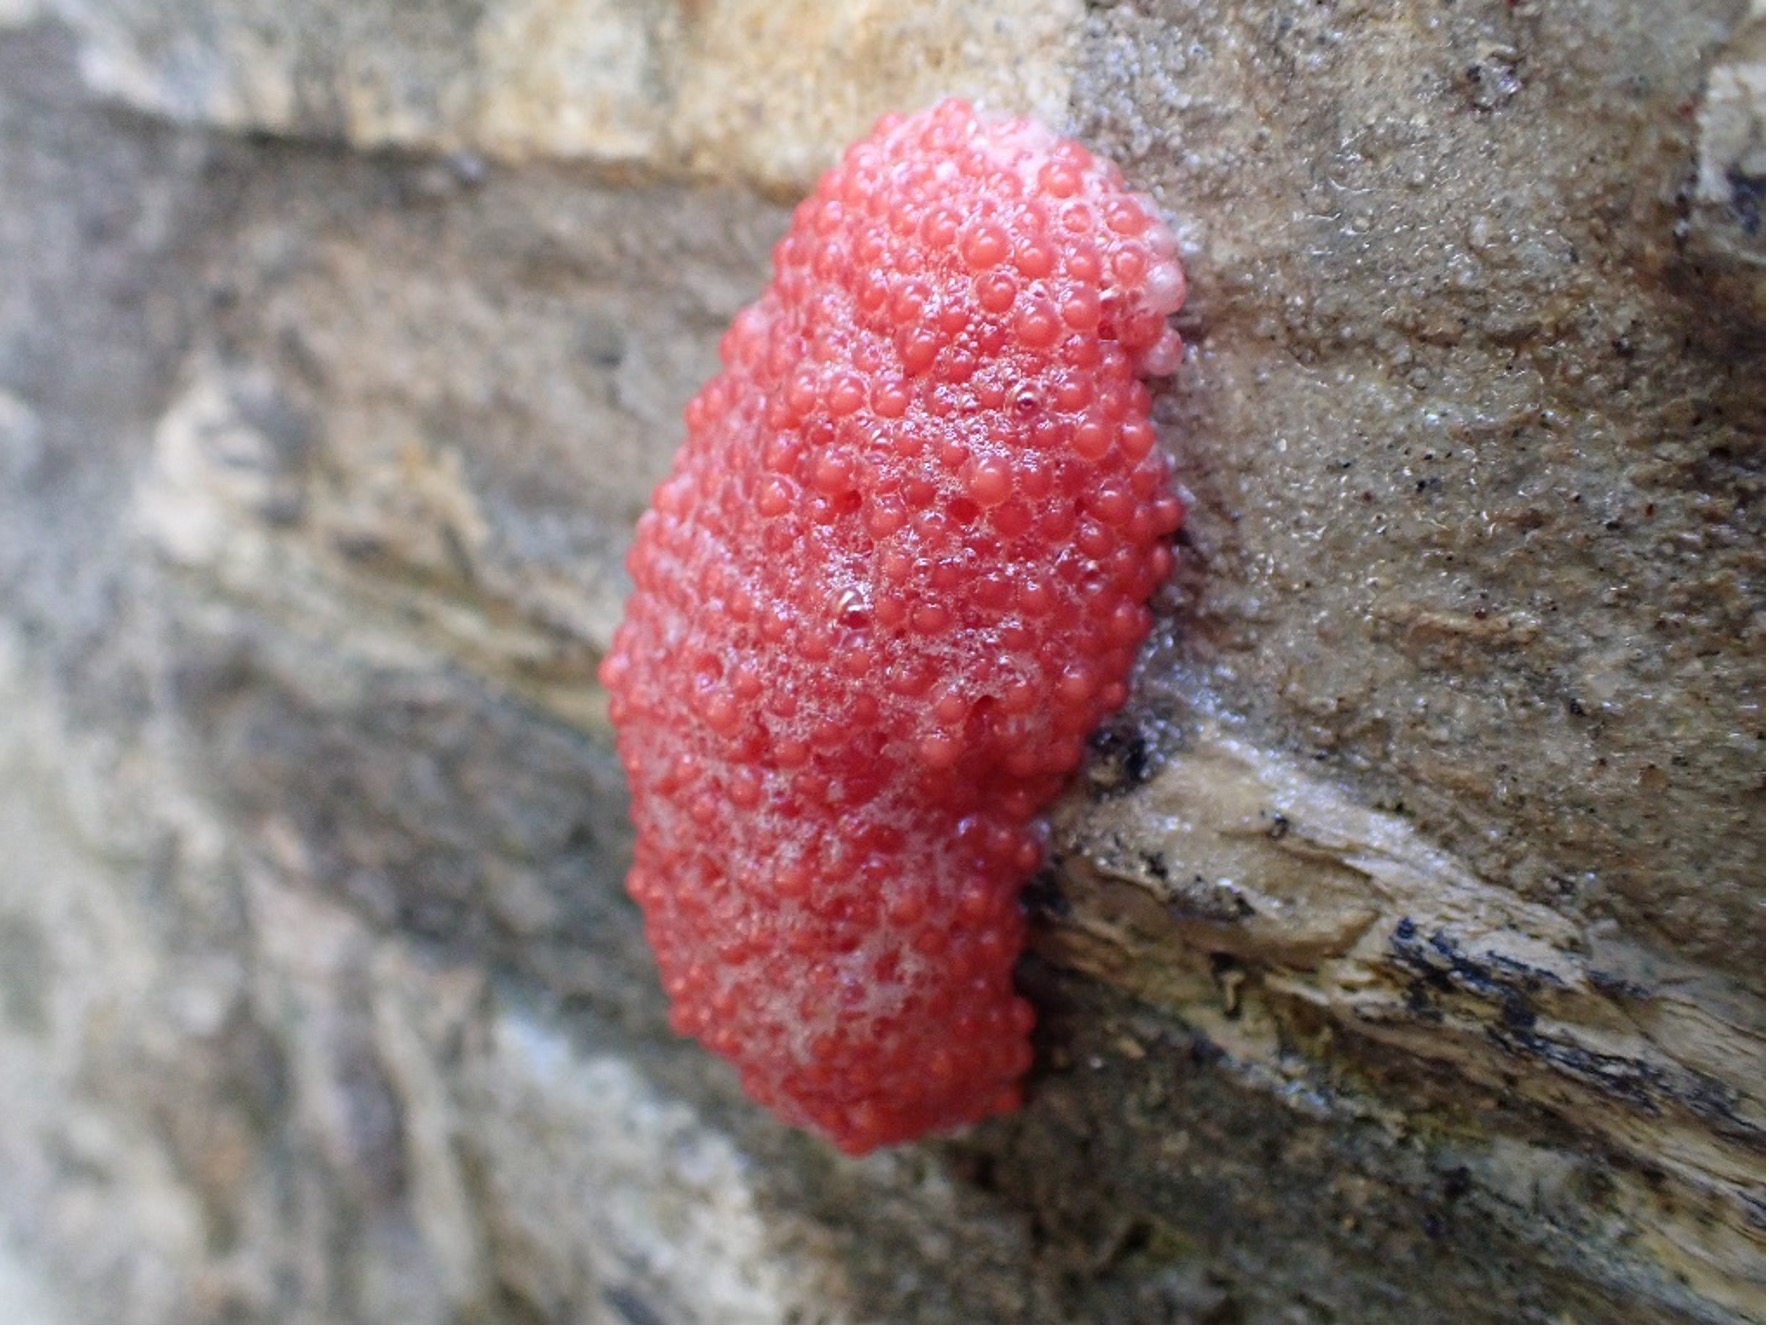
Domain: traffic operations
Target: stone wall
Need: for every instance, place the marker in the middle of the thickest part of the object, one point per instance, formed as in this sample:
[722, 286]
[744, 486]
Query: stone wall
[1401, 953]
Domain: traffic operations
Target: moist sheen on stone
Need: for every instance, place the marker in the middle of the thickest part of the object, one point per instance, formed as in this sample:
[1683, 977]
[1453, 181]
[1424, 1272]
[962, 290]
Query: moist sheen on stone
[897, 575]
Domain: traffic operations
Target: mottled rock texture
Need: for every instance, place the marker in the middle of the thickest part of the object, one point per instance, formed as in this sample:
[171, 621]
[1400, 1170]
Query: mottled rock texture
[1402, 951]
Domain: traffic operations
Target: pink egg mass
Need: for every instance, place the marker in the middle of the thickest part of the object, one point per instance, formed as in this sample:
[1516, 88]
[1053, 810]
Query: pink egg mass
[896, 576]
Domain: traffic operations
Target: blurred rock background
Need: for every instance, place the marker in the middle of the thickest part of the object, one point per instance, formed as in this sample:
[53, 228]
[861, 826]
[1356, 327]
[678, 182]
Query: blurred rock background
[1401, 955]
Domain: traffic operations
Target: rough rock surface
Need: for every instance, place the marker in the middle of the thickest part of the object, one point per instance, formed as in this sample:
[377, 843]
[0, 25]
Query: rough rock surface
[1402, 954]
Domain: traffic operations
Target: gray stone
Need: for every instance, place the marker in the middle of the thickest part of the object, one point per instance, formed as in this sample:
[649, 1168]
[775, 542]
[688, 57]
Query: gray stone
[768, 90]
[1400, 954]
